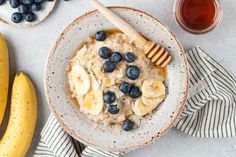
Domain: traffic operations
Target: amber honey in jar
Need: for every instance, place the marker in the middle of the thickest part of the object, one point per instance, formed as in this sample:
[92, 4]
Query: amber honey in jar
[198, 16]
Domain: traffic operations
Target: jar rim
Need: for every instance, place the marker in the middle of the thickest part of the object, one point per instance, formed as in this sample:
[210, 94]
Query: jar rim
[179, 21]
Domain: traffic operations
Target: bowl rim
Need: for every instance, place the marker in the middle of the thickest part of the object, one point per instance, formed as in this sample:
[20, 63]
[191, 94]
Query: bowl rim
[144, 143]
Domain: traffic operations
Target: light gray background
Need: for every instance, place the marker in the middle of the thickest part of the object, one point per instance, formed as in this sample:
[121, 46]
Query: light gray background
[29, 48]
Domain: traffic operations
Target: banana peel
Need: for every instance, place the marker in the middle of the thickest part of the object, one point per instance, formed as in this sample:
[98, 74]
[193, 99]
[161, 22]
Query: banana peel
[22, 121]
[4, 76]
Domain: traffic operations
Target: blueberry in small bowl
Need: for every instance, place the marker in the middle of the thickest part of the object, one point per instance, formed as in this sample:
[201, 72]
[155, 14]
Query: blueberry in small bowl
[16, 17]
[38, 1]
[30, 17]
[23, 9]
[36, 7]
[14, 3]
[2, 2]
[27, 2]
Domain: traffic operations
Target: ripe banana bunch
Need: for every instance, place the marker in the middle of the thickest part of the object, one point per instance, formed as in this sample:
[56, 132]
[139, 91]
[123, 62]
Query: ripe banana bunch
[153, 93]
[4, 76]
[88, 89]
[23, 113]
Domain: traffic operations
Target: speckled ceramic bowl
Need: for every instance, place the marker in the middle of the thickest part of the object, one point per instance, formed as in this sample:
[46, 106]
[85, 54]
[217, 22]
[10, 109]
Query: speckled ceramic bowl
[6, 11]
[67, 113]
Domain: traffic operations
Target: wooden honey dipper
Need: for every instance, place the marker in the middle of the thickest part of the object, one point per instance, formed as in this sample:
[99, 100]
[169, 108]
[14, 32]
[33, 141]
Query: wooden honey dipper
[156, 53]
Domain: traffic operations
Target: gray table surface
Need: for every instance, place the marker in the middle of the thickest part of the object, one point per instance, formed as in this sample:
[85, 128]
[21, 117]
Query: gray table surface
[29, 48]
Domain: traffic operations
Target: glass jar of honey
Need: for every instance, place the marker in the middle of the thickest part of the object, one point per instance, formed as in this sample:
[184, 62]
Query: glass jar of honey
[198, 16]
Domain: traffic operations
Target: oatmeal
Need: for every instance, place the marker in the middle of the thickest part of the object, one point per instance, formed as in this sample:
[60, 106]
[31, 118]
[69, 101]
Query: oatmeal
[113, 81]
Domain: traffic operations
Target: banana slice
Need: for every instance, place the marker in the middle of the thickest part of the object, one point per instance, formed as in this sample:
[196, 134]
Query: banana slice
[80, 80]
[140, 109]
[152, 101]
[93, 102]
[81, 52]
[95, 84]
[152, 88]
[108, 82]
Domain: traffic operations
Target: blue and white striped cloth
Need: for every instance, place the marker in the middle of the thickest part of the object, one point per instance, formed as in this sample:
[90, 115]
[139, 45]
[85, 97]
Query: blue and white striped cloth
[209, 111]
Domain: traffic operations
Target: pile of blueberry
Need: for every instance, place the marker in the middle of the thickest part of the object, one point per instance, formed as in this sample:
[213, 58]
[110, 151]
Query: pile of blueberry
[26, 9]
[132, 72]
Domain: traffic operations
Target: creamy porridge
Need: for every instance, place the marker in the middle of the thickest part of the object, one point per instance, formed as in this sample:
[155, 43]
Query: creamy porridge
[113, 82]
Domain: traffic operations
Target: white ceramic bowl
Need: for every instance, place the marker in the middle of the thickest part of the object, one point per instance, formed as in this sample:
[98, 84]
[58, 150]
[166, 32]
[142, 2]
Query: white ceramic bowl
[6, 11]
[67, 113]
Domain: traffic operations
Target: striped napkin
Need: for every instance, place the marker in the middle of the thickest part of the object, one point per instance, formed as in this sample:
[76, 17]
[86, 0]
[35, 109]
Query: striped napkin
[209, 111]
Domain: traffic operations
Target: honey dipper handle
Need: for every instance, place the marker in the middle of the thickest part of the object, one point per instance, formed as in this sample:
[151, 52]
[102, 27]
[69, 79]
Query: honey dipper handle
[119, 22]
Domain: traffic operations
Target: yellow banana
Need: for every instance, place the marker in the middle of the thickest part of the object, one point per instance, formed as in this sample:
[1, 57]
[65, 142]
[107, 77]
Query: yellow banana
[4, 76]
[23, 115]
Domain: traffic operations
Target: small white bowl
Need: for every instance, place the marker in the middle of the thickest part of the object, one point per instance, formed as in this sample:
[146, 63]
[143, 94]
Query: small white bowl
[67, 113]
[6, 12]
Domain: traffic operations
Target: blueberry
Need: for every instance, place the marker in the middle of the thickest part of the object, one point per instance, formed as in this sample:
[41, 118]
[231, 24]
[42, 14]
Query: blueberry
[109, 66]
[100, 36]
[130, 57]
[2, 2]
[36, 7]
[14, 3]
[104, 52]
[132, 72]
[23, 9]
[125, 87]
[27, 2]
[116, 57]
[113, 109]
[38, 1]
[135, 92]
[109, 97]
[16, 17]
[30, 17]
[128, 125]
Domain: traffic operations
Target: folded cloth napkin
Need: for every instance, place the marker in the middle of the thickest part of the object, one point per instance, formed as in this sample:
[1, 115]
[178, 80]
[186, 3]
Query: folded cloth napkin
[209, 111]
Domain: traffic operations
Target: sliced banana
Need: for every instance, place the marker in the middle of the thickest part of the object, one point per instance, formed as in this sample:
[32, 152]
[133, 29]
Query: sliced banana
[93, 102]
[108, 82]
[152, 101]
[153, 88]
[81, 52]
[80, 80]
[95, 84]
[140, 109]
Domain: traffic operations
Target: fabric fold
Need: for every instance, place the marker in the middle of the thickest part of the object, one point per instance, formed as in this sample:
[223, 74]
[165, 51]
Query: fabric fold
[211, 104]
